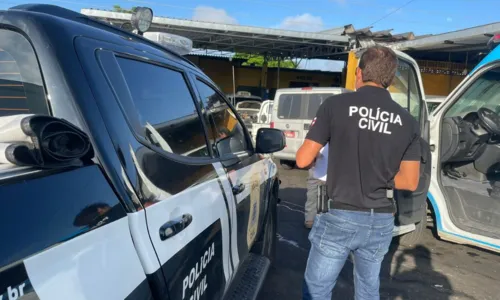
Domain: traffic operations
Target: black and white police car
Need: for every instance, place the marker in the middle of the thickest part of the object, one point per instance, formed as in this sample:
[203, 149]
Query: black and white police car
[168, 199]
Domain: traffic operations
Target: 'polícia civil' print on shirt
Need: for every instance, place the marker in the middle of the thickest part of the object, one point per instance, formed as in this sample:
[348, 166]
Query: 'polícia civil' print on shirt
[375, 120]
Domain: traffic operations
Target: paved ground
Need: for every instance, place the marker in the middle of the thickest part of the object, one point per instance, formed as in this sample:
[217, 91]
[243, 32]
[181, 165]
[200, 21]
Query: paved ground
[434, 270]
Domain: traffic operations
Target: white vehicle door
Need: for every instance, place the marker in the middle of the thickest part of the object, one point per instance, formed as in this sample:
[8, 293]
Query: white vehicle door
[465, 138]
[407, 90]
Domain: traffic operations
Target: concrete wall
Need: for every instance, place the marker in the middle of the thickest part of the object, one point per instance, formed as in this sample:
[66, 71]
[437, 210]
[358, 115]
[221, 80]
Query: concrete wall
[440, 78]
[440, 85]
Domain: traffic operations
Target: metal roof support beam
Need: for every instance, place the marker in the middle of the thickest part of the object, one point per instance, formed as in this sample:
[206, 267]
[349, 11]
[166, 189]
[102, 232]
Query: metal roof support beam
[231, 46]
[216, 26]
[223, 37]
[260, 38]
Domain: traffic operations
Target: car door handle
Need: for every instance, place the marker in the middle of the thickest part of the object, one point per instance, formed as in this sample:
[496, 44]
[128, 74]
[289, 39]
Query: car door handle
[173, 227]
[238, 189]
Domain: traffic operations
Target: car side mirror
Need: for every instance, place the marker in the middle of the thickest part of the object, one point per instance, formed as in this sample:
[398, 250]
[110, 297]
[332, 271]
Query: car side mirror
[270, 140]
[263, 118]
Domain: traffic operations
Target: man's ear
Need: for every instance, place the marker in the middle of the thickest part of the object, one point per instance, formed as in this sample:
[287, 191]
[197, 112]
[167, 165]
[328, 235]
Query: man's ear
[359, 74]
[359, 78]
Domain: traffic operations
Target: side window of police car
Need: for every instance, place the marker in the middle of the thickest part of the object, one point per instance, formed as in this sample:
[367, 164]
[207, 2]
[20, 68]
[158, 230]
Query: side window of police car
[225, 131]
[165, 108]
[404, 89]
[21, 85]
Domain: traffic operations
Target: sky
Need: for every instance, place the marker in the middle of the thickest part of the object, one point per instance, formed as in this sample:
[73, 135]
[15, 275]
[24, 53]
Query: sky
[418, 16]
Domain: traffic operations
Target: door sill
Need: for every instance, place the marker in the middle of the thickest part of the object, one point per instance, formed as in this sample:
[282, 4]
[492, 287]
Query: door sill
[403, 229]
[250, 278]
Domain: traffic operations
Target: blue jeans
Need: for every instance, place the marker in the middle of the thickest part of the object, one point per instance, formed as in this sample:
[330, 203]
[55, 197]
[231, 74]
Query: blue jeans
[333, 237]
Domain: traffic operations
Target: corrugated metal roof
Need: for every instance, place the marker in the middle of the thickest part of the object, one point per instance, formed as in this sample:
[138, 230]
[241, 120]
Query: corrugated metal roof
[237, 38]
[469, 39]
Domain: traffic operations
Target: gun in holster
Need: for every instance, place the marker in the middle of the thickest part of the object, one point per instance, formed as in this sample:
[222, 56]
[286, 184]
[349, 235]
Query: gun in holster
[324, 203]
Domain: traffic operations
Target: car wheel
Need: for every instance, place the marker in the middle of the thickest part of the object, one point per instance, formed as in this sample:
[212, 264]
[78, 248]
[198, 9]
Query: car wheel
[414, 237]
[287, 165]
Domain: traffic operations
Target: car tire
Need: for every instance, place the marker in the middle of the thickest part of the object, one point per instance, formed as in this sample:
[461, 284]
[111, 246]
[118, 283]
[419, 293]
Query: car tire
[414, 237]
[266, 245]
[287, 165]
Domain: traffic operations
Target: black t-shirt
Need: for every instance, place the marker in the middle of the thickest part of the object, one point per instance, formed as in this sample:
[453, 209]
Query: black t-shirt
[369, 136]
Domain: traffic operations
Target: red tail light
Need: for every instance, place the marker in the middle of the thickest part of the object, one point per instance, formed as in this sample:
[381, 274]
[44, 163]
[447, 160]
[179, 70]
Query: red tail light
[290, 134]
[271, 125]
[308, 88]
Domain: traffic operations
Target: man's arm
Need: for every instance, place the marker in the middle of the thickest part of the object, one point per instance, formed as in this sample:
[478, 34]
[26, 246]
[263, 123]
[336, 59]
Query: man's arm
[307, 153]
[408, 175]
[317, 137]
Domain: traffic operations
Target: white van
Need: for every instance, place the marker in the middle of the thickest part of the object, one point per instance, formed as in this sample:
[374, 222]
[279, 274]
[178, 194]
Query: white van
[293, 111]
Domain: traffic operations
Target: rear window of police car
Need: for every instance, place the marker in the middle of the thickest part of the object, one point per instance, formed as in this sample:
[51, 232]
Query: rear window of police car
[21, 85]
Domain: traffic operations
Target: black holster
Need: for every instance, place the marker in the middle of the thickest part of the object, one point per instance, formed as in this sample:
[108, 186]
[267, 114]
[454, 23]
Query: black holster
[323, 204]
[390, 196]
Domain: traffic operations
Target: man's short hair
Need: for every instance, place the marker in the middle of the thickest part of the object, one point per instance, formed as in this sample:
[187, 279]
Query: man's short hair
[378, 64]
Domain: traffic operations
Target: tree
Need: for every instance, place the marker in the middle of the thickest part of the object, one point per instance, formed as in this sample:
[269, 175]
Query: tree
[118, 8]
[258, 61]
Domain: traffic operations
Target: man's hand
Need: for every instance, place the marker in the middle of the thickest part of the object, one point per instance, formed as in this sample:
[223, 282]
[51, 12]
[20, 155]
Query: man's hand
[307, 153]
[408, 176]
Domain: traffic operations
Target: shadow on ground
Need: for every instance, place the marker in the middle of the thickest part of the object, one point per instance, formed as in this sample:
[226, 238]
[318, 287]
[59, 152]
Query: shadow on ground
[407, 273]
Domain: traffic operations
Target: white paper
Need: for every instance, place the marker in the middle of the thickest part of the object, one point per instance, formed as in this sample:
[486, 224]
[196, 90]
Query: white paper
[3, 156]
[10, 129]
[321, 165]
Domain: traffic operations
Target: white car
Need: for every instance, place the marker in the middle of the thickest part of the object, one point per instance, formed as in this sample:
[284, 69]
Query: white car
[465, 142]
[249, 109]
[293, 113]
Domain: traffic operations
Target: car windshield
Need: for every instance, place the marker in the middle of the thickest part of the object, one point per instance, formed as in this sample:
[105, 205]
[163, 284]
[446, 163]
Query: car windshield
[300, 106]
[483, 92]
[242, 99]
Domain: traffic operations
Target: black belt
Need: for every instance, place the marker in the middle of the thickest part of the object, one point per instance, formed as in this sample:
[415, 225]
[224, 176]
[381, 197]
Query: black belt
[341, 206]
[324, 204]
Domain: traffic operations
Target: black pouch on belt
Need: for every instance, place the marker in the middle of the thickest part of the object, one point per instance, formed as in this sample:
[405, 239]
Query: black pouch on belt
[323, 200]
[390, 196]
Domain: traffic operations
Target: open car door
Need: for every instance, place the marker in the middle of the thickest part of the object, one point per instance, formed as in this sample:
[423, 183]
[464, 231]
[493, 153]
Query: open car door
[465, 190]
[407, 89]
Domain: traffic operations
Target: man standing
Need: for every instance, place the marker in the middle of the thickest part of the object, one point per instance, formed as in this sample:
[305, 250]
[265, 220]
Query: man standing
[374, 147]
[317, 177]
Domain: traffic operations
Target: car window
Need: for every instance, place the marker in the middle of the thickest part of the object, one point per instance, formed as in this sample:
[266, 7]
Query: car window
[483, 92]
[226, 132]
[165, 108]
[21, 85]
[300, 106]
[404, 89]
[249, 105]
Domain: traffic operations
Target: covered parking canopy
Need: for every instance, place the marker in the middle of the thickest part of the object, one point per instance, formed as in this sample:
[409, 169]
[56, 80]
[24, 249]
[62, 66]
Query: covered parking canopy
[245, 39]
[463, 46]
